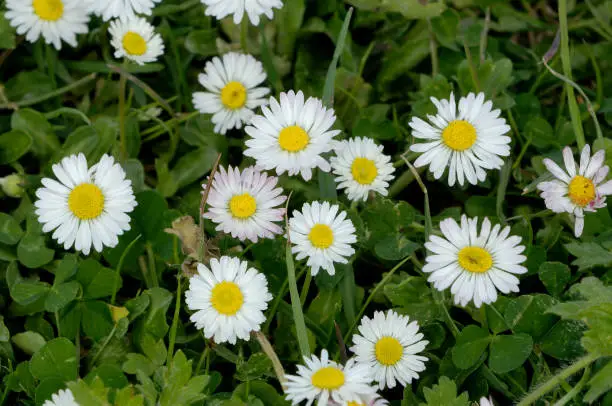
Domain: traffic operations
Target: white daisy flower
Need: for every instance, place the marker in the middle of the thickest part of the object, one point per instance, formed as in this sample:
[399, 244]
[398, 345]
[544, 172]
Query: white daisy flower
[474, 264]
[136, 40]
[228, 299]
[322, 235]
[329, 383]
[87, 206]
[467, 141]
[62, 398]
[245, 204]
[292, 135]
[577, 189]
[486, 402]
[361, 167]
[388, 345]
[253, 8]
[54, 20]
[123, 9]
[232, 90]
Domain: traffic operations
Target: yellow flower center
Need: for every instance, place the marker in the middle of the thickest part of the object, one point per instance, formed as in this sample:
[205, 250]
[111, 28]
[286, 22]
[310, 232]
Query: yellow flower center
[355, 404]
[49, 10]
[242, 206]
[321, 236]
[581, 190]
[293, 138]
[226, 298]
[134, 44]
[328, 378]
[86, 201]
[234, 95]
[388, 351]
[459, 135]
[364, 171]
[475, 259]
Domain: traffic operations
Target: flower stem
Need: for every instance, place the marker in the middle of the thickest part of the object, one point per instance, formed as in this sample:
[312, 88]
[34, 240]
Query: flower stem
[296, 305]
[269, 351]
[119, 266]
[122, 138]
[244, 35]
[175, 319]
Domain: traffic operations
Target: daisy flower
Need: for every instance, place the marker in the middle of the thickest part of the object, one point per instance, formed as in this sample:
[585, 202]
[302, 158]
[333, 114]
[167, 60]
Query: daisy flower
[388, 345]
[322, 235]
[486, 402]
[136, 40]
[123, 9]
[329, 383]
[228, 299]
[54, 20]
[577, 189]
[476, 265]
[87, 206]
[253, 8]
[467, 141]
[245, 204]
[361, 167]
[292, 135]
[232, 90]
[62, 398]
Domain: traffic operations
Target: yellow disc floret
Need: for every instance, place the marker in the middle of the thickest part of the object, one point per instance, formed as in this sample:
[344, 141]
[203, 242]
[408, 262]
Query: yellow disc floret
[388, 351]
[459, 135]
[581, 190]
[364, 171]
[242, 206]
[329, 378]
[321, 236]
[234, 95]
[134, 43]
[86, 201]
[226, 297]
[293, 138]
[48, 10]
[475, 259]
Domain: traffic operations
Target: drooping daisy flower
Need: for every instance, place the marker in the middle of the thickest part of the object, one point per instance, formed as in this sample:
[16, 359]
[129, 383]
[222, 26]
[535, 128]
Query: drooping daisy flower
[253, 8]
[326, 381]
[361, 167]
[292, 135]
[388, 345]
[62, 398]
[577, 190]
[232, 90]
[54, 20]
[467, 141]
[322, 235]
[136, 40]
[87, 206]
[228, 299]
[486, 402]
[245, 204]
[474, 264]
[123, 9]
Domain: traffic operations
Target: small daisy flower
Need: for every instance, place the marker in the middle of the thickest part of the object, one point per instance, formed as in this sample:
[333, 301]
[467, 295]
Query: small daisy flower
[467, 141]
[87, 206]
[245, 204]
[577, 189]
[232, 90]
[329, 383]
[54, 20]
[375, 400]
[123, 9]
[292, 135]
[253, 8]
[474, 264]
[62, 398]
[388, 345]
[361, 167]
[136, 40]
[322, 235]
[228, 299]
[486, 402]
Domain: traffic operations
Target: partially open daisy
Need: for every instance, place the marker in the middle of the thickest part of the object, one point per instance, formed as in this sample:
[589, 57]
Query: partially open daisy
[228, 299]
[388, 345]
[486, 402]
[577, 190]
[253, 8]
[322, 235]
[327, 382]
[467, 141]
[123, 9]
[54, 20]
[361, 167]
[474, 264]
[245, 204]
[136, 40]
[62, 398]
[292, 135]
[87, 206]
[232, 83]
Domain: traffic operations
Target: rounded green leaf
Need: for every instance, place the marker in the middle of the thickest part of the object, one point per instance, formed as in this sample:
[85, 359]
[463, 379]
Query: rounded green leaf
[32, 251]
[29, 341]
[471, 343]
[508, 352]
[10, 232]
[57, 359]
[13, 145]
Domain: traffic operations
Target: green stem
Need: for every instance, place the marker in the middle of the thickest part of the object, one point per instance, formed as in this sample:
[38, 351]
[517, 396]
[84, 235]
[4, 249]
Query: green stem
[305, 287]
[576, 389]
[244, 35]
[561, 376]
[57, 321]
[433, 50]
[119, 266]
[152, 269]
[440, 301]
[122, 136]
[473, 71]
[104, 344]
[175, 319]
[203, 356]
[298, 315]
[348, 293]
[567, 71]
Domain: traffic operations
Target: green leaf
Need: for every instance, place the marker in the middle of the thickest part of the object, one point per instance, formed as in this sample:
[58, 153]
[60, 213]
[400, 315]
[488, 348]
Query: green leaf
[527, 314]
[415, 9]
[263, 391]
[60, 295]
[289, 20]
[395, 247]
[414, 298]
[29, 341]
[540, 132]
[32, 251]
[181, 388]
[256, 367]
[555, 276]
[563, 340]
[66, 268]
[57, 359]
[47, 387]
[13, 145]
[589, 255]
[97, 321]
[97, 281]
[110, 374]
[509, 352]
[155, 320]
[35, 125]
[10, 232]
[188, 169]
[7, 33]
[444, 393]
[202, 42]
[137, 362]
[471, 343]
[27, 292]
[599, 384]
[5, 334]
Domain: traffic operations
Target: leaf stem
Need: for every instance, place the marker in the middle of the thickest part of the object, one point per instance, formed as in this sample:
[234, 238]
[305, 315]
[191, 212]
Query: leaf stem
[175, 319]
[119, 266]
